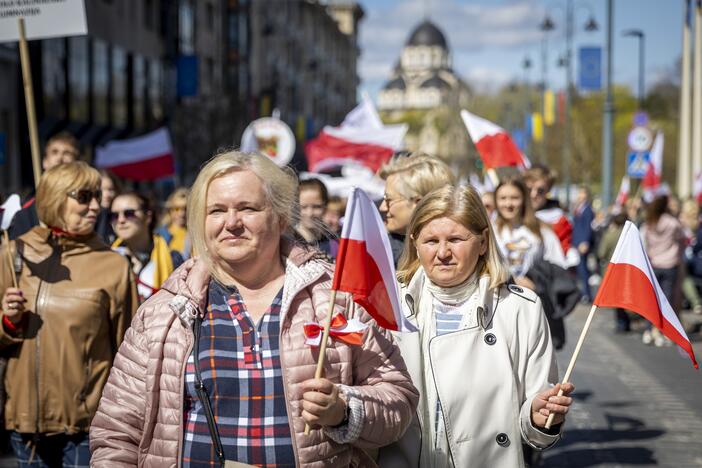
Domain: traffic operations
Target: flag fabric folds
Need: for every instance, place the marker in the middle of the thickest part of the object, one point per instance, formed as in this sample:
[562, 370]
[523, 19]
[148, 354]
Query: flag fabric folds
[629, 283]
[364, 265]
[623, 194]
[8, 210]
[361, 137]
[148, 157]
[651, 183]
[493, 143]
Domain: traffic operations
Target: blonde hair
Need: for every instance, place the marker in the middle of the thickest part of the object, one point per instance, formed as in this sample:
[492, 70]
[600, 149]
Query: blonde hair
[179, 196]
[420, 172]
[55, 185]
[279, 184]
[690, 214]
[464, 206]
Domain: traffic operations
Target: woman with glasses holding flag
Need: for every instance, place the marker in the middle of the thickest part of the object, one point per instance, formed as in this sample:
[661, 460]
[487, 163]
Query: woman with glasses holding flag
[67, 300]
[151, 258]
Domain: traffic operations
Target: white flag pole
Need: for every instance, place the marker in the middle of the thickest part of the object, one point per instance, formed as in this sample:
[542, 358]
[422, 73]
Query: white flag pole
[573, 358]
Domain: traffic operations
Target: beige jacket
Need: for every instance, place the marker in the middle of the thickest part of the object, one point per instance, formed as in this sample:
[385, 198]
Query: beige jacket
[80, 300]
[485, 376]
[140, 418]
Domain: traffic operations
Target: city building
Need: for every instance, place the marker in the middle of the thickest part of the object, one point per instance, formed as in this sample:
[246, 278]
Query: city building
[426, 93]
[204, 68]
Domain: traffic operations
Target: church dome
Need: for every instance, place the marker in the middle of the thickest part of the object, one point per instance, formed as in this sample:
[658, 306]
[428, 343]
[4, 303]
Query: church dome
[427, 34]
[397, 83]
[435, 82]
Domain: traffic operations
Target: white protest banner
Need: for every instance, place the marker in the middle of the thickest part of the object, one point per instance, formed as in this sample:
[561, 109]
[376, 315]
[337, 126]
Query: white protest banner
[42, 18]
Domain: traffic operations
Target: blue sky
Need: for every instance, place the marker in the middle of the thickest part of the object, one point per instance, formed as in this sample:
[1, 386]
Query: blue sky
[489, 39]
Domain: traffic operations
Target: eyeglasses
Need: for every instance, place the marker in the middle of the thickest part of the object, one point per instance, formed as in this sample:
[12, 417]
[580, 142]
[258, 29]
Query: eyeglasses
[128, 214]
[83, 196]
[390, 201]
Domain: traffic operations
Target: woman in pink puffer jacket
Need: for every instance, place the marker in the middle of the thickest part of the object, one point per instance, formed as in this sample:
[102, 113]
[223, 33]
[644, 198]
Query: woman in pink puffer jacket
[152, 412]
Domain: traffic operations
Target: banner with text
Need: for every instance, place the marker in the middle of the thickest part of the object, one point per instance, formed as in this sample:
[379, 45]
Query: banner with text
[42, 18]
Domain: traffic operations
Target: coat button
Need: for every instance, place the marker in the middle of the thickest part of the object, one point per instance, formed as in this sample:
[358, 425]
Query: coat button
[515, 288]
[502, 440]
[490, 339]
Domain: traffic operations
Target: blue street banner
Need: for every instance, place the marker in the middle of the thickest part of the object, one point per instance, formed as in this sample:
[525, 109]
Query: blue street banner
[590, 68]
[519, 136]
[187, 75]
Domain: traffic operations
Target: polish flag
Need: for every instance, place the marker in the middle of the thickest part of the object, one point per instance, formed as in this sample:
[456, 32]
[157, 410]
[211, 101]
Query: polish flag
[8, 210]
[494, 144]
[147, 157]
[624, 189]
[364, 265]
[697, 188]
[557, 219]
[651, 183]
[361, 137]
[629, 283]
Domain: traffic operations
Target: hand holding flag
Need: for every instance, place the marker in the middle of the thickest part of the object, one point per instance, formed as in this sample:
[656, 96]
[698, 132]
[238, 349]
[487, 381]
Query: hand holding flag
[364, 268]
[629, 283]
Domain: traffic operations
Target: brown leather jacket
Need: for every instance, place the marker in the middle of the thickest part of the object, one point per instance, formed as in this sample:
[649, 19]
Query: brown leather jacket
[80, 301]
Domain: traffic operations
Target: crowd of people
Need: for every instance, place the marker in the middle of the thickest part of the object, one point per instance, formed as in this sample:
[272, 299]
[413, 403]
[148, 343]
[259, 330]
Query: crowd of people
[139, 333]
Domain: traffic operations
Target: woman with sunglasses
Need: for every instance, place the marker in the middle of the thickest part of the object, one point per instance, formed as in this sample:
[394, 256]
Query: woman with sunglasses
[61, 327]
[151, 258]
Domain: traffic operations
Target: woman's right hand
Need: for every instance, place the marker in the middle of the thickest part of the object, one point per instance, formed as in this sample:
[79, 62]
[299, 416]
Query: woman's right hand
[13, 304]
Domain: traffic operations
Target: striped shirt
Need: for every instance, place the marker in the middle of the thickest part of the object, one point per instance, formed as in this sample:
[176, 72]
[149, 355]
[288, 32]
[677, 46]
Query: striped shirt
[240, 367]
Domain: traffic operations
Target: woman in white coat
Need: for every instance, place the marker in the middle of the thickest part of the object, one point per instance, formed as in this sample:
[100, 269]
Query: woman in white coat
[482, 360]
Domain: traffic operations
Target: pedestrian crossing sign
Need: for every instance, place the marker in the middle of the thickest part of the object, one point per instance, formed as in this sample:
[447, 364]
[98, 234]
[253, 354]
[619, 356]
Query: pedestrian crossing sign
[637, 163]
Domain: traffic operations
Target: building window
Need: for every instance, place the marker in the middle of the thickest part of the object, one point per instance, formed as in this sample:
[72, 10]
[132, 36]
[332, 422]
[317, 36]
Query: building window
[186, 27]
[138, 90]
[101, 82]
[155, 85]
[54, 77]
[119, 87]
[79, 78]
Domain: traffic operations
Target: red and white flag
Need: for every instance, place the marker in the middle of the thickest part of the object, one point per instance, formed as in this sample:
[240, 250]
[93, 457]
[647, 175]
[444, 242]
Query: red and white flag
[651, 182]
[697, 188]
[361, 137]
[8, 210]
[624, 189]
[494, 144]
[147, 157]
[364, 265]
[629, 283]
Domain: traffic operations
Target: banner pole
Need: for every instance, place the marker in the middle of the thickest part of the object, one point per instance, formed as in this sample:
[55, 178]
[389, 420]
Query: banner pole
[6, 242]
[323, 345]
[566, 376]
[29, 102]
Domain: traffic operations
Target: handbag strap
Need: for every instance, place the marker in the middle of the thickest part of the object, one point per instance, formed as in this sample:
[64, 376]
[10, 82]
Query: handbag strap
[203, 395]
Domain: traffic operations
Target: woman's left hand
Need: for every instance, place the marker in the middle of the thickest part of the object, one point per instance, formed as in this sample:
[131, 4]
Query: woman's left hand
[548, 402]
[322, 404]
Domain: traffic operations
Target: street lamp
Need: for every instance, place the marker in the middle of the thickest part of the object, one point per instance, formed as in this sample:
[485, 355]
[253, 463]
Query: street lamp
[546, 25]
[637, 33]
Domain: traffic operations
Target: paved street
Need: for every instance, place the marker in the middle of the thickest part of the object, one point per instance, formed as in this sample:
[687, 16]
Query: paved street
[635, 405]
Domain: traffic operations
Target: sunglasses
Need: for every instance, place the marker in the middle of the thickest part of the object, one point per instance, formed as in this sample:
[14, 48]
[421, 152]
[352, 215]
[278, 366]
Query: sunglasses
[84, 196]
[129, 214]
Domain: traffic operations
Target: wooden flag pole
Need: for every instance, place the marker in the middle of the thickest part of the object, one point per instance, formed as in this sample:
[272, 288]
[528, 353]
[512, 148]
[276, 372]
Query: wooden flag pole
[323, 345]
[29, 102]
[6, 242]
[566, 377]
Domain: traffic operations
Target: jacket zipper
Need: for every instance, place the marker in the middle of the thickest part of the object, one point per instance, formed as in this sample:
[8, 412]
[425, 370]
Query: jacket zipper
[39, 304]
[190, 337]
[283, 315]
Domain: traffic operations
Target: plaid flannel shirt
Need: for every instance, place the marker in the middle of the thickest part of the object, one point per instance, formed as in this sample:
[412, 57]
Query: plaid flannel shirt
[240, 367]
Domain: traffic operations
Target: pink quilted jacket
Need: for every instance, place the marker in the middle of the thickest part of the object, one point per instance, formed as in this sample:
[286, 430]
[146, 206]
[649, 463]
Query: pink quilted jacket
[140, 418]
